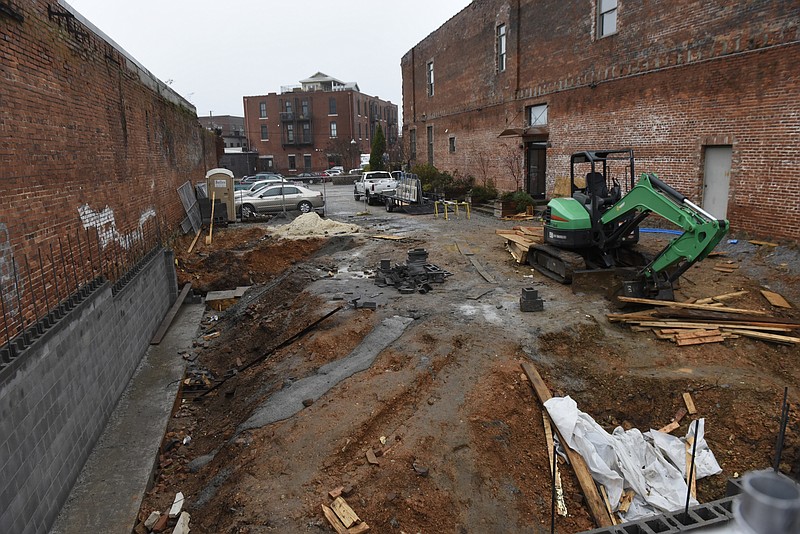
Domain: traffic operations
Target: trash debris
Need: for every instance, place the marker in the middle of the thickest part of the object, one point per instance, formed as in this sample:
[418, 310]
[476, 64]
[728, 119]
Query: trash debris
[343, 518]
[177, 505]
[152, 519]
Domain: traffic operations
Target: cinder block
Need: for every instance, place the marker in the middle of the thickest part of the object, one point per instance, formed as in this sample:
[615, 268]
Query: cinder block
[529, 293]
[531, 305]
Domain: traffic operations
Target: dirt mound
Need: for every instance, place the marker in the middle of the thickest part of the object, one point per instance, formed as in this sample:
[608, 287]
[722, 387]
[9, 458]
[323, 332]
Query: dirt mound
[311, 224]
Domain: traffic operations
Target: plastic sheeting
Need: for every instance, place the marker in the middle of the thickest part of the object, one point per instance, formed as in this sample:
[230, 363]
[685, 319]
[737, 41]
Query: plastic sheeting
[653, 464]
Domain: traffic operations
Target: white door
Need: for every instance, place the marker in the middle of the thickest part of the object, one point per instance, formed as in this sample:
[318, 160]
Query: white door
[717, 180]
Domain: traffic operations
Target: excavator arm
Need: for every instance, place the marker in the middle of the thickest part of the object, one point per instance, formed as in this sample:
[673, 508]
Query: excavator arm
[702, 231]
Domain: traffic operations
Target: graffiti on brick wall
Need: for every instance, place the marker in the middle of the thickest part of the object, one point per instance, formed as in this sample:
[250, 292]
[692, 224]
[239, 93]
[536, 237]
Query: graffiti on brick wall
[8, 286]
[106, 225]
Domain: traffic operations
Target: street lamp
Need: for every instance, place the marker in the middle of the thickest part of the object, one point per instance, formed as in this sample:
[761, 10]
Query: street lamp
[353, 151]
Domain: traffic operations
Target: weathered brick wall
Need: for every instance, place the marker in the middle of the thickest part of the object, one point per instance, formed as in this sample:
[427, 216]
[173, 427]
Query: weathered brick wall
[670, 81]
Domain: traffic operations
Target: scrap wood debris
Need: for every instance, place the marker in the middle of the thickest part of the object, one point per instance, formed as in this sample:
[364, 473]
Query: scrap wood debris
[520, 238]
[706, 321]
[342, 517]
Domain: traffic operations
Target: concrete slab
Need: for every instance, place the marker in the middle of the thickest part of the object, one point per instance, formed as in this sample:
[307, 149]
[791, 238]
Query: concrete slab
[121, 464]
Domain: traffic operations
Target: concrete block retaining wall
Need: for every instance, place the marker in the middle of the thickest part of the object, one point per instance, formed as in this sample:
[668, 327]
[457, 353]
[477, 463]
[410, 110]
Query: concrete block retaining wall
[56, 397]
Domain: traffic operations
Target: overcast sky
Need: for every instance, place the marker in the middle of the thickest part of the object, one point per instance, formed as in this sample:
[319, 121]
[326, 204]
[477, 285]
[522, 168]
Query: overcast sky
[216, 52]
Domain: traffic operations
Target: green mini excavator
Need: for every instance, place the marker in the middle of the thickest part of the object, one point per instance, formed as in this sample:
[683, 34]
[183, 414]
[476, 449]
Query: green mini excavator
[596, 230]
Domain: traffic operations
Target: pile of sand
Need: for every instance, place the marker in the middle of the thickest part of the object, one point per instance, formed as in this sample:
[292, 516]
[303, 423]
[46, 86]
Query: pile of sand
[312, 225]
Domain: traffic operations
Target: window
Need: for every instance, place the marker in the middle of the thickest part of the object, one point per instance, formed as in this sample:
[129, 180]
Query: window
[501, 48]
[430, 145]
[288, 106]
[304, 108]
[264, 135]
[412, 144]
[359, 107]
[359, 130]
[307, 162]
[537, 115]
[262, 110]
[606, 17]
[332, 106]
[430, 78]
[452, 145]
[306, 132]
[333, 129]
[292, 161]
[290, 133]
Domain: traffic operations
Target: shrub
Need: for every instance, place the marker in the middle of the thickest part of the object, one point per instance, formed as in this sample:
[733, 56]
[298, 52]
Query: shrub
[520, 199]
[482, 194]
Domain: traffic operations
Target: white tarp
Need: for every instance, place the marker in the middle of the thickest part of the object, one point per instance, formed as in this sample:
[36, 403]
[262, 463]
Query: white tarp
[651, 464]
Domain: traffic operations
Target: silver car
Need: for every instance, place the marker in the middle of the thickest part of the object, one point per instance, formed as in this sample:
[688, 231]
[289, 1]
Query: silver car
[273, 199]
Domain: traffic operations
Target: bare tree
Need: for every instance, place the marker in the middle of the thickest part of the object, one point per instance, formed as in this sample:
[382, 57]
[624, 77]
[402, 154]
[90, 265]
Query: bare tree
[512, 160]
[482, 166]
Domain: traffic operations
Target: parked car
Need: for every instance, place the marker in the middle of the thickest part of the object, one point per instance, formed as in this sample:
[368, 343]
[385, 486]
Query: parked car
[252, 189]
[355, 172]
[273, 198]
[333, 172]
[260, 176]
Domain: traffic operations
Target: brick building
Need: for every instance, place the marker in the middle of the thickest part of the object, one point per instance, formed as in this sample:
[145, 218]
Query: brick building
[314, 125]
[230, 127]
[706, 93]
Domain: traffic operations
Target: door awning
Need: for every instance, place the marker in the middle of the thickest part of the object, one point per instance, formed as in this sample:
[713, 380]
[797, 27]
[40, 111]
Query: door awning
[522, 132]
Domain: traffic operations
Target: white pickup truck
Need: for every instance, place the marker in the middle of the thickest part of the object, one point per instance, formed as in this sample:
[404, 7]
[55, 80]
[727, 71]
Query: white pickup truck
[373, 184]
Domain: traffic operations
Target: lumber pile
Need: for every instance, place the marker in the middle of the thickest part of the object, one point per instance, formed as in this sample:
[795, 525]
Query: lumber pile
[705, 321]
[520, 238]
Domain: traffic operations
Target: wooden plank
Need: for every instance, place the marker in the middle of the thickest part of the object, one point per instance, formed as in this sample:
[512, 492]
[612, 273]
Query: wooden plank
[531, 230]
[211, 224]
[197, 235]
[593, 500]
[333, 520]
[519, 253]
[699, 340]
[764, 243]
[173, 311]
[478, 267]
[693, 334]
[388, 237]
[723, 270]
[775, 299]
[764, 336]
[604, 495]
[670, 427]
[680, 324]
[653, 302]
[687, 399]
[343, 511]
[520, 240]
[464, 249]
[692, 483]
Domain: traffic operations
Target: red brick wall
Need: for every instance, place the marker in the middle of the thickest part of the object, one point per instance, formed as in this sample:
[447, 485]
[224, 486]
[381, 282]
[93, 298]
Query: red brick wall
[671, 80]
[82, 126]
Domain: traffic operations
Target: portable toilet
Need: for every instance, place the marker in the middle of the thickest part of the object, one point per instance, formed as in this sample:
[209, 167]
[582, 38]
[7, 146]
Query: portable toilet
[219, 184]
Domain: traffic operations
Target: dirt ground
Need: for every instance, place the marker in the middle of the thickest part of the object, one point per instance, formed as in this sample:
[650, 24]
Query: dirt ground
[456, 427]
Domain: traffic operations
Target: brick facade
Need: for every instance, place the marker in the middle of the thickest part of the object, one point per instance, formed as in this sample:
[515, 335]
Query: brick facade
[671, 81]
[89, 140]
[312, 144]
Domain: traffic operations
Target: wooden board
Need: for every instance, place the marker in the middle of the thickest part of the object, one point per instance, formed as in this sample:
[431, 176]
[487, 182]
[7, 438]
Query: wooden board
[626, 500]
[597, 507]
[764, 336]
[604, 495]
[519, 253]
[694, 334]
[687, 399]
[464, 249]
[478, 267]
[333, 520]
[343, 511]
[388, 237]
[653, 302]
[693, 482]
[681, 324]
[670, 427]
[525, 241]
[561, 506]
[699, 340]
[173, 311]
[775, 299]
[764, 243]
[196, 236]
